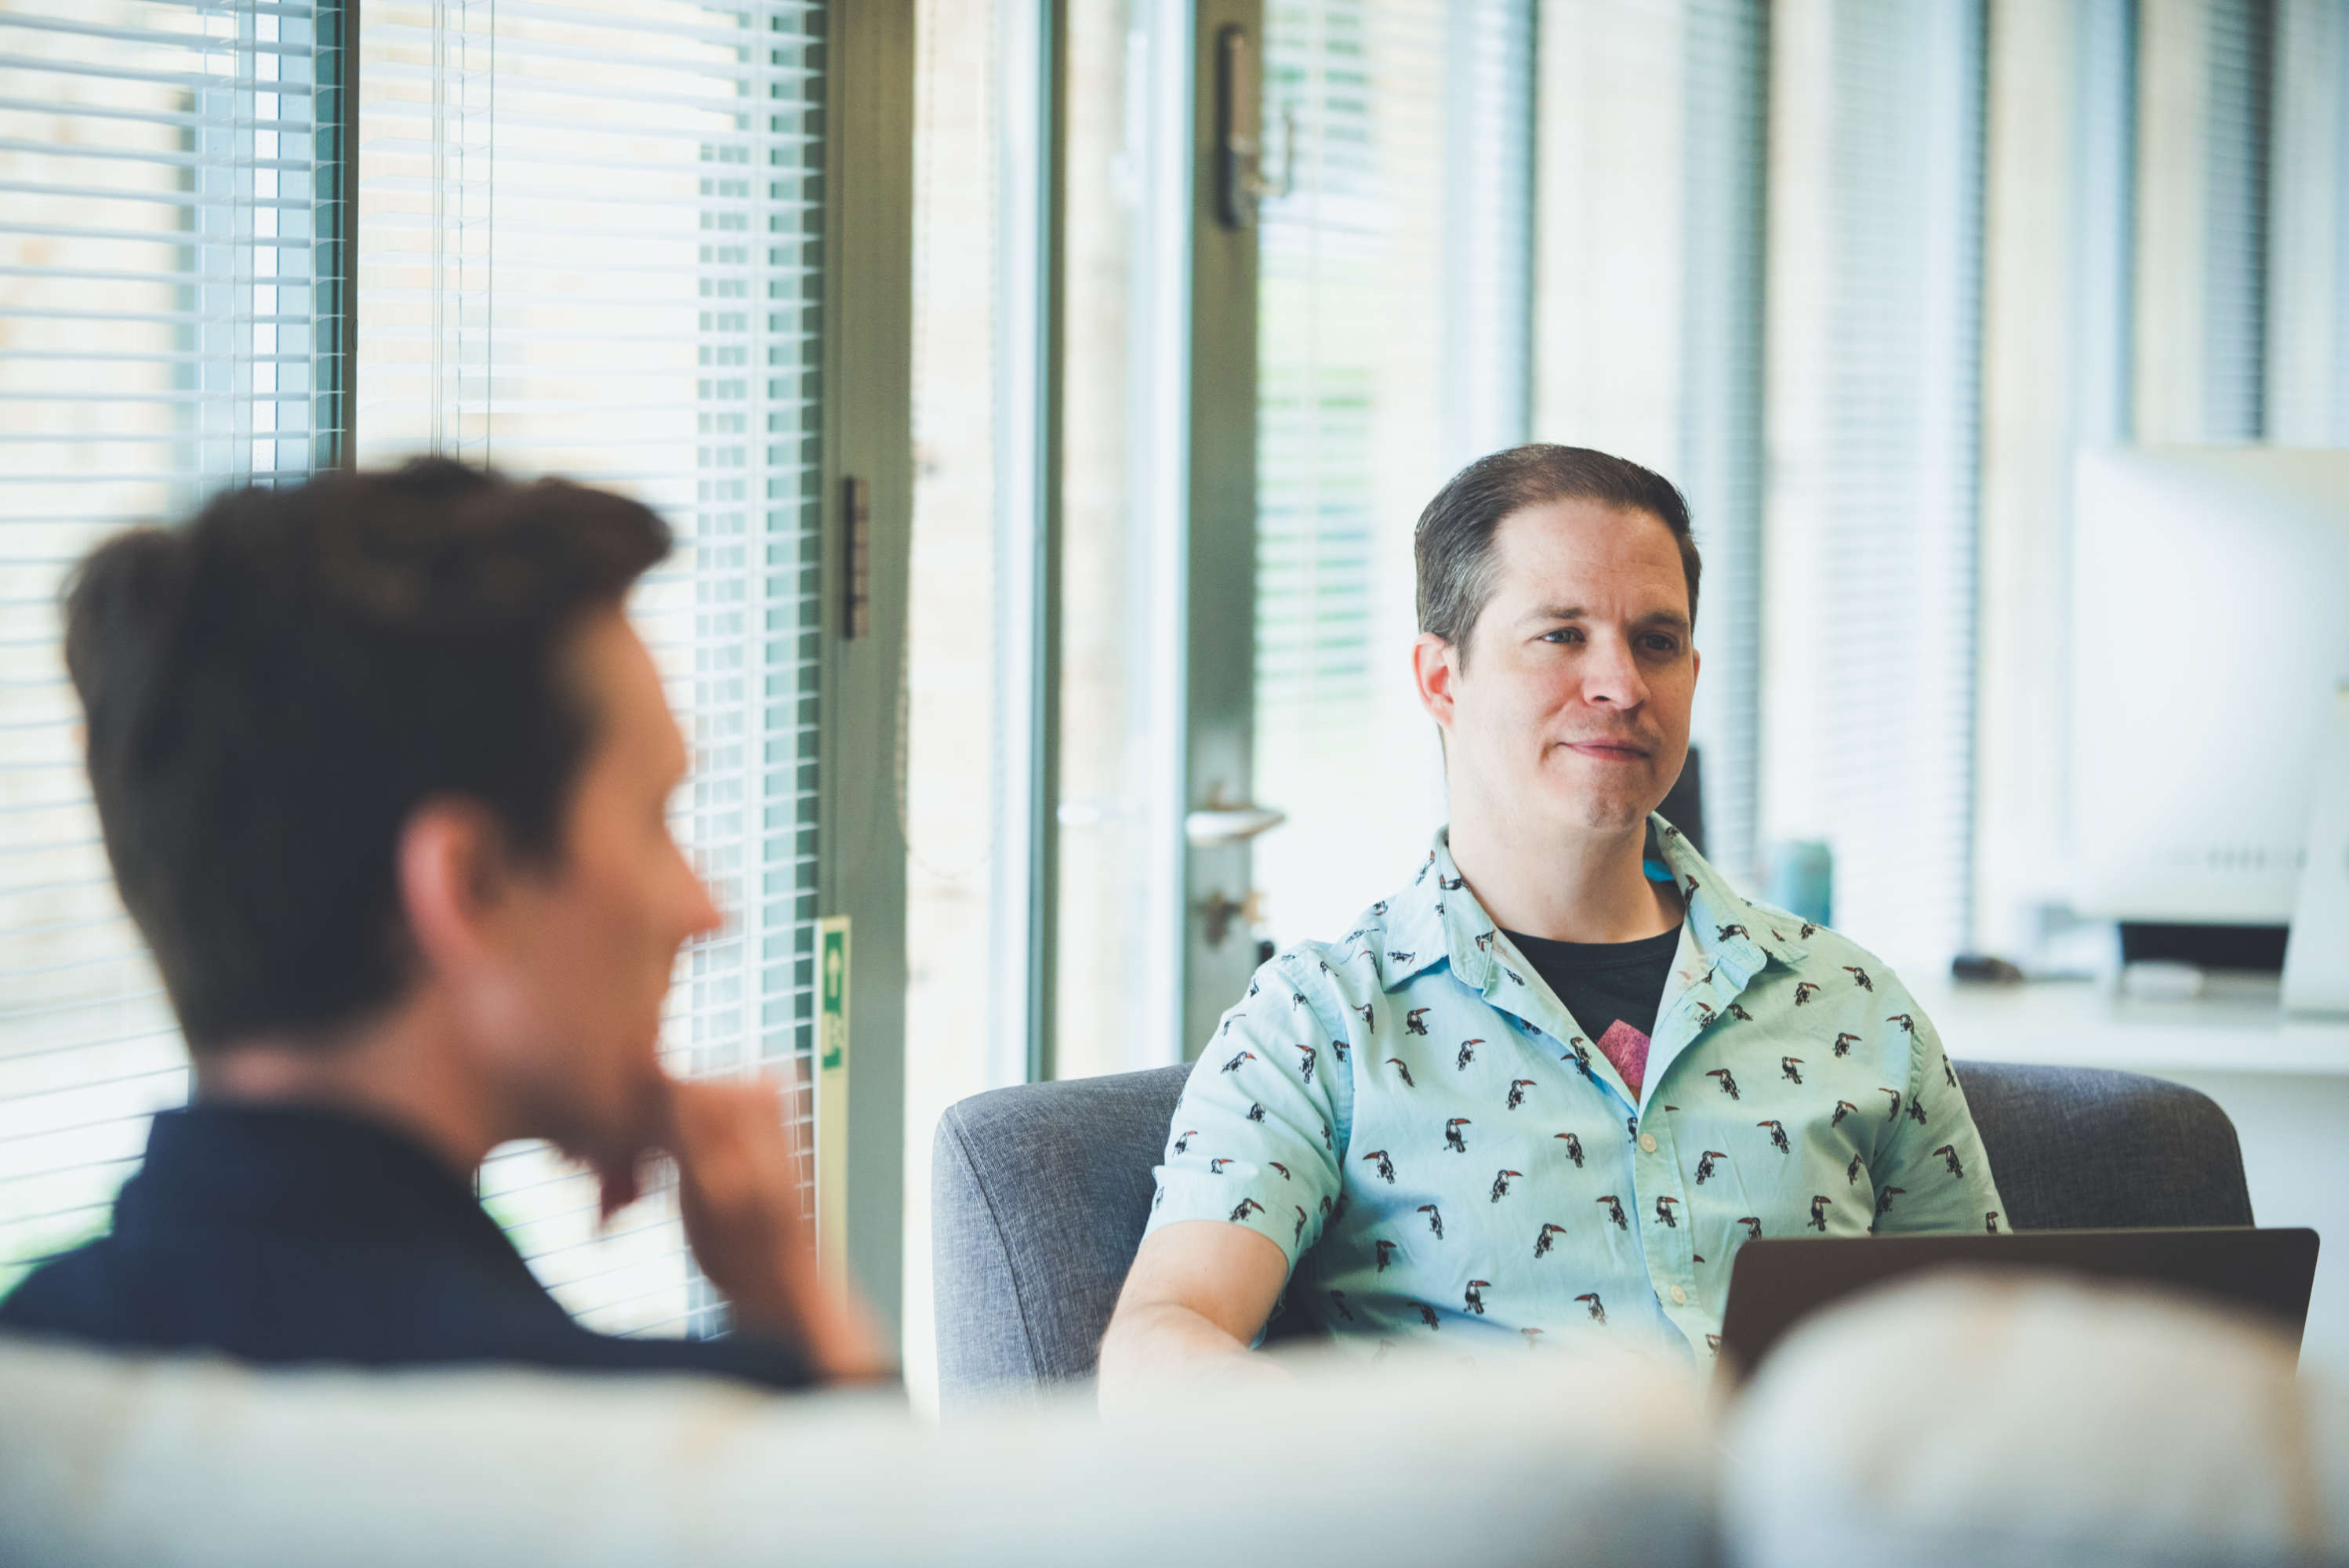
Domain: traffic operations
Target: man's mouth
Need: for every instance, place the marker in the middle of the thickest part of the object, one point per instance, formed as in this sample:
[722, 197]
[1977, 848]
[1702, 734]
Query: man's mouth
[1609, 750]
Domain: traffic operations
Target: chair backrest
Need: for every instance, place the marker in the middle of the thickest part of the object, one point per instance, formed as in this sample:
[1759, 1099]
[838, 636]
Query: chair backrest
[1039, 1195]
[2084, 1148]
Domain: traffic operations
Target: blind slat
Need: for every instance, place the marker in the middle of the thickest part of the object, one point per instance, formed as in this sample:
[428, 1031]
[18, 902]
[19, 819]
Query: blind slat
[190, 80]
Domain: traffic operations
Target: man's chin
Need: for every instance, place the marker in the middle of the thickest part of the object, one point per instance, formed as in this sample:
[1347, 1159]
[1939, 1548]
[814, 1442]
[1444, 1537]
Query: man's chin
[627, 1125]
[1602, 810]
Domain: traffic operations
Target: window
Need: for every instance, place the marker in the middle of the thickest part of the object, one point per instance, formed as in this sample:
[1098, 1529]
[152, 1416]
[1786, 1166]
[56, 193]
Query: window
[2059, 186]
[590, 244]
[2307, 393]
[1392, 349]
[1126, 436]
[959, 775]
[1648, 315]
[170, 266]
[1872, 406]
[2205, 103]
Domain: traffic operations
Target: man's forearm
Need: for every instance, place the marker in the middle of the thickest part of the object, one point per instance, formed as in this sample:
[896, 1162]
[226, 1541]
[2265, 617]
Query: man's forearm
[1164, 1344]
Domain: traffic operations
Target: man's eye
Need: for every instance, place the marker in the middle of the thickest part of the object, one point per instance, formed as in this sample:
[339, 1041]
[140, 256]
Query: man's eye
[1562, 634]
[1664, 645]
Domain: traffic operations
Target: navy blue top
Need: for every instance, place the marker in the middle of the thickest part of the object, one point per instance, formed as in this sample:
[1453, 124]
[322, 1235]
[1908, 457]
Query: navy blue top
[290, 1235]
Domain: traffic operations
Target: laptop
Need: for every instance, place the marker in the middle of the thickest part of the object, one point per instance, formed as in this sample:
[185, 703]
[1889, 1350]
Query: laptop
[1776, 1282]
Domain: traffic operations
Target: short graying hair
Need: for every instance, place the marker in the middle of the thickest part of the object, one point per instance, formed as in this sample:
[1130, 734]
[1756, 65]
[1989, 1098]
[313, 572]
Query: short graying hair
[1454, 542]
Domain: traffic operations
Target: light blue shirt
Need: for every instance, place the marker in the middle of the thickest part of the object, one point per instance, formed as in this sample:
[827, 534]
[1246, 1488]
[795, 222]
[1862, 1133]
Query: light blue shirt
[1417, 1121]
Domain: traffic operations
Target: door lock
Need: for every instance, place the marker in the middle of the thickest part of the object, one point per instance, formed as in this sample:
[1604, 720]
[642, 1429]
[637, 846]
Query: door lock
[1220, 910]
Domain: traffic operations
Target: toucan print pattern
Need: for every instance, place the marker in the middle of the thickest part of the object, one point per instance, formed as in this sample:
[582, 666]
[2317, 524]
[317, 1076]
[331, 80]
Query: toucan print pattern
[1418, 1123]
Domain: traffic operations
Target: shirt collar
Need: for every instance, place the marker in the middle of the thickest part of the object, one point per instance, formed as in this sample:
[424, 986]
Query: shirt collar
[1430, 922]
[1723, 922]
[1436, 919]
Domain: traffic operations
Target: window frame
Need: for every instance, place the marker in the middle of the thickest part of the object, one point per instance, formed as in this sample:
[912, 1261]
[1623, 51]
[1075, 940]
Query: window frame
[867, 434]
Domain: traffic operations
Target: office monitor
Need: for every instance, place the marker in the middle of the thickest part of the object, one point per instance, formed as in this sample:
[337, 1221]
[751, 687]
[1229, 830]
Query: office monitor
[2211, 627]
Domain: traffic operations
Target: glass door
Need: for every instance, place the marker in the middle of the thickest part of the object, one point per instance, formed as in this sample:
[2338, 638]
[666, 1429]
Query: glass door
[1151, 935]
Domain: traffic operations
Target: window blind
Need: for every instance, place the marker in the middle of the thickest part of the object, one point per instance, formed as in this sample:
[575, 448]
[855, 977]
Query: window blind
[1872, 437]
[169, 218]
[1648, 311]
[2308, 315]
[2239, 60]
[590, 244]
[1391, 350]
[1724, 121]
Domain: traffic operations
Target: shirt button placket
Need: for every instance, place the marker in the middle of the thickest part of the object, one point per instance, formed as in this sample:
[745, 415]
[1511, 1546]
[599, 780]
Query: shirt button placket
[1660, 1173]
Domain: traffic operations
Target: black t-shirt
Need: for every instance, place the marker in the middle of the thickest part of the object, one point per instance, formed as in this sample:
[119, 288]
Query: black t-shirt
[1605, 983]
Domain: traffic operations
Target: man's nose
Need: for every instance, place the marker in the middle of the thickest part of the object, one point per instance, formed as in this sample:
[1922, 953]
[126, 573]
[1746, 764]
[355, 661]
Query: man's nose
[702, 916]
[1611, 676]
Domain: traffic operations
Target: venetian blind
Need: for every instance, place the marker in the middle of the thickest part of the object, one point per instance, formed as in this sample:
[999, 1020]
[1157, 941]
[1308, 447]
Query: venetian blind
[1391, 350]
[2308, 252]
[170, 208]
[1648, 311]
[1725, 120]
[2240, 65]
[590, 245]
[1872, 437]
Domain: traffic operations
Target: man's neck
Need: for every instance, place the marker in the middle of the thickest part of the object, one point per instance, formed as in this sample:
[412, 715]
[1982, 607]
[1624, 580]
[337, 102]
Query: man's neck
[387, 1071]
[1567, 885]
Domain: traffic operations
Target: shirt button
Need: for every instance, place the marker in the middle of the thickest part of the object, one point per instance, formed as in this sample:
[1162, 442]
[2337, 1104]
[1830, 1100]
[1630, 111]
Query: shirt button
[1680, 1297]
[1647, 1143]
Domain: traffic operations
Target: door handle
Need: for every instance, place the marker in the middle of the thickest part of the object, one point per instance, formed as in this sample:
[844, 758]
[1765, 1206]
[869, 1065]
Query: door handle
[1222, 910]
[1221, 822]
[1240, 183]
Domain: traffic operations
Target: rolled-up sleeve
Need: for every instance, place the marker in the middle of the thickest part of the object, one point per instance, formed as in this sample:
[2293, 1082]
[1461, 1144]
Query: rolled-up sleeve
[1936, 1168]
[1255, 1140]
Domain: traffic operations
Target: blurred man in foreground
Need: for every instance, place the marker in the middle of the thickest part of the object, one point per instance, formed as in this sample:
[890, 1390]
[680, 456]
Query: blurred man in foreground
[383, 773]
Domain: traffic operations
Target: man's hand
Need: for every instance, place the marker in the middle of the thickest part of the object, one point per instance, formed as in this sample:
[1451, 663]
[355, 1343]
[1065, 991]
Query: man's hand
[738, 1191]
[1199, 1291]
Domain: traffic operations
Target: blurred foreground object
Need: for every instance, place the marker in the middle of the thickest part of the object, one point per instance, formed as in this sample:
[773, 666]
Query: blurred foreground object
[124, 1460]
[2028, 1422]
[1953, 1420]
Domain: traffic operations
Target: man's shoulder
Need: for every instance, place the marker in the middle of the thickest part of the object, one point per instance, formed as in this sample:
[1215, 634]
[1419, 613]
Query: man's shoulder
[64, 1295]
[1835, 970]
[1830, 953]
[1363, 946]
[291, 1299]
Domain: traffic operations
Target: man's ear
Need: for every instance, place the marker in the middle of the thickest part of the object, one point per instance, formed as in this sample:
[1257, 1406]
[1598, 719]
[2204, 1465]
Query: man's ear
[1435, 670]
[452, 870]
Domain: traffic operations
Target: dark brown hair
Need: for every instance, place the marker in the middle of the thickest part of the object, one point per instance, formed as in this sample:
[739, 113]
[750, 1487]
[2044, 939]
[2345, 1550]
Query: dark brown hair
[1455, 539]
[273, 687]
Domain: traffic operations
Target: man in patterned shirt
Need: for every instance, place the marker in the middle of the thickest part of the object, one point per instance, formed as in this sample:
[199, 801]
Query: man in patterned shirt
[1546, 1091]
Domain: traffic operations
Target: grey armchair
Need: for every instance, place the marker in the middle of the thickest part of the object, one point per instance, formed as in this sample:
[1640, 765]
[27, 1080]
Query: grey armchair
[1039, 1194]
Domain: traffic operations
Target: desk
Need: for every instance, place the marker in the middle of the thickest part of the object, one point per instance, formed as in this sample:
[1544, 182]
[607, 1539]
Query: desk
[2236, 1026]
[2283, 1081]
